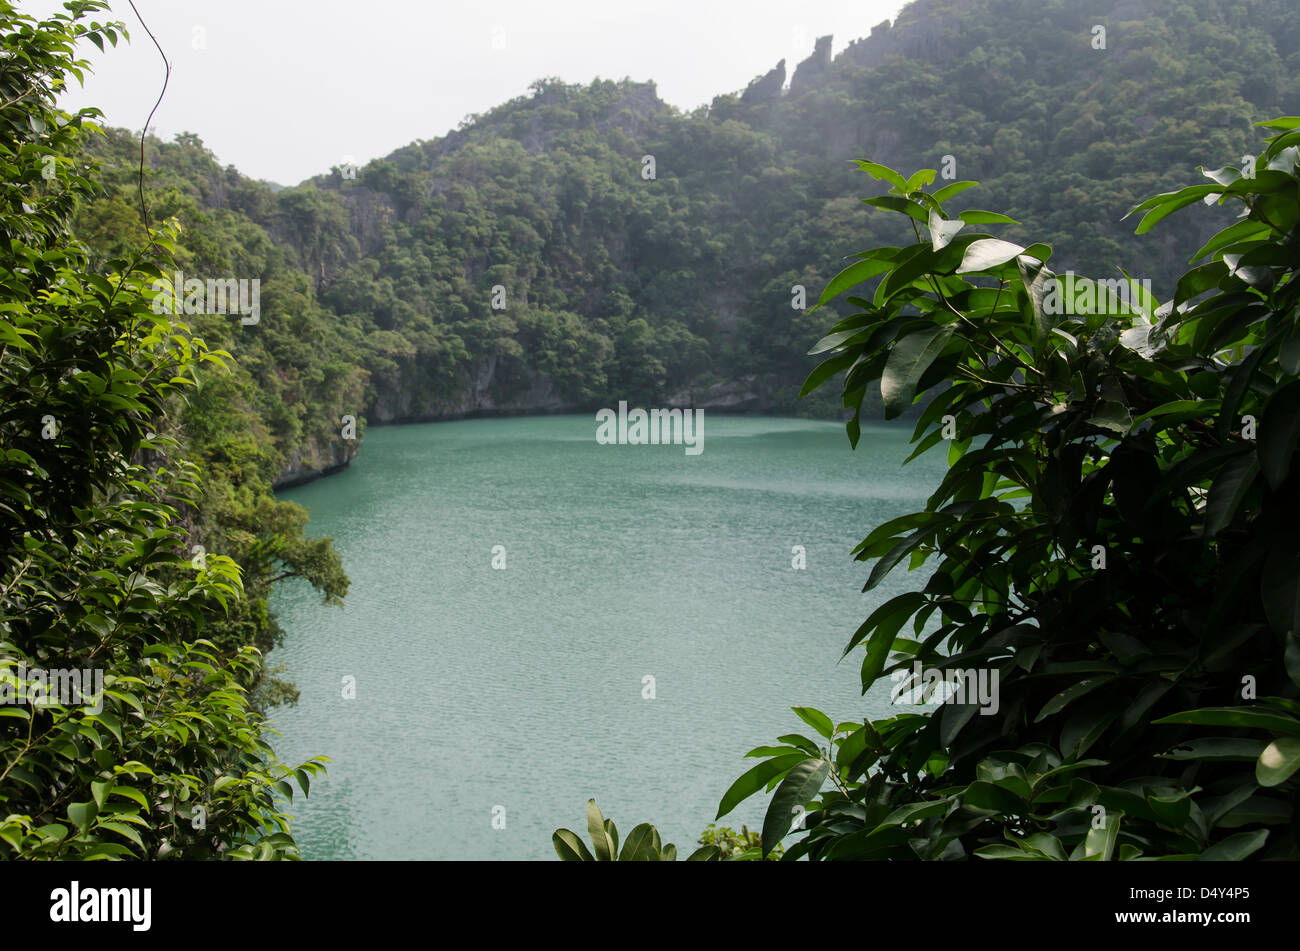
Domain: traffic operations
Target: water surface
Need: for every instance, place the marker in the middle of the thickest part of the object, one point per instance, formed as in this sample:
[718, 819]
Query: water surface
[479, 690]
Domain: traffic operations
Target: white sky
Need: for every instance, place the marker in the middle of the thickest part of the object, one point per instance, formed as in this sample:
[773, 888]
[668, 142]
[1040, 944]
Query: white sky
[284, 89]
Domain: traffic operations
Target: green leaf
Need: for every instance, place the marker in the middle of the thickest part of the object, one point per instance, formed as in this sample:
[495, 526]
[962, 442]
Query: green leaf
[884, 173]
[1217, 749]
[767, 752]
[53, 833]
[1224, 176]
[952, 190]
[913, 264]
[100, 791]
[755, 779]
[1113, 417]
[836, 340]
[1172, 811]
[129, 792]
[1035, 276]
[1278, 762]
[1199, 280]
[1070, 694]
[798, 788]
[1006, 853]
[601, 841]
[83, 814]
[111, 721]
[908, 360]
[850, 748]
[976, 217]
[1282, 122]
[705, 853]
[640, 845]
[901, 205]
[879, 645]
[1228, 491]
[123, 829]
[897, 553]
[942, 231]
[1189, 409]
[1099, 845]
[1046, 845]
[1162, 206]
[984, 795]
[891, 615]
[816, 719]
[827, 369]
[1236, 847]
[1241, 231]
[914, 811]
[1279, 434]
[988, 253]
[1242, 374]
[569, 847]
[1245, 717]
[611, 830]
[13, 835]
[852, 276]
[924, 177]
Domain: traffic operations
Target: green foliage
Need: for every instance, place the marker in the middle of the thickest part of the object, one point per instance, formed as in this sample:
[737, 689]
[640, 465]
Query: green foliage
[95, 570]
[1115, 539]
[276, 408]
[742, 846]
[642, 845]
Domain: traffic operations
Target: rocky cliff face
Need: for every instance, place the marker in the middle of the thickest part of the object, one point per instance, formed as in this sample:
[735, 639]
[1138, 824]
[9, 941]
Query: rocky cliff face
[315, 460]
[475, 397]
[807, 73]
[766, 88]
[750, 394]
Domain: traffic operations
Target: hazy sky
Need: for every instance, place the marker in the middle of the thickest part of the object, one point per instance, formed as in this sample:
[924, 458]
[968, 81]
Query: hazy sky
[284, 89]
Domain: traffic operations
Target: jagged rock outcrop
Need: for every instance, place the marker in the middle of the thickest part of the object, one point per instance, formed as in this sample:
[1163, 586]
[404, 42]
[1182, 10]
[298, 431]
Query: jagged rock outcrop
[766, 88]
[811, 70]
[632, 112]
[923, 31]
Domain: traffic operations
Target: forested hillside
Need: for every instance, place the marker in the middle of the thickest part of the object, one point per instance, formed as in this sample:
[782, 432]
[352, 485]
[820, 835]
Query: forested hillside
[379, 281]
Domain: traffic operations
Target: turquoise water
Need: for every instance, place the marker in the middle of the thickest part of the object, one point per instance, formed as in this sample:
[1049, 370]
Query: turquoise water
[518, 693]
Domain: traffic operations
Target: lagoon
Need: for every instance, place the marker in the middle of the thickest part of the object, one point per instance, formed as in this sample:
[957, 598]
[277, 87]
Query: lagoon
[648, 627]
